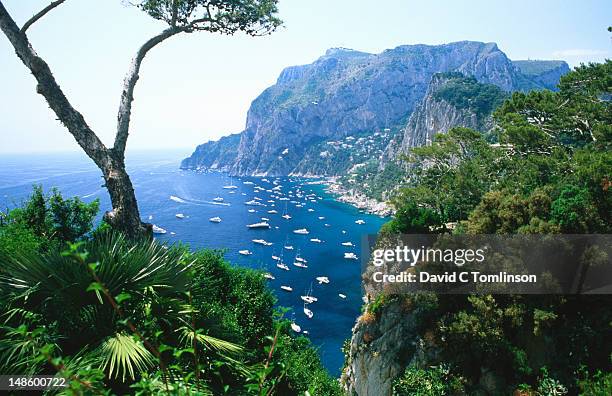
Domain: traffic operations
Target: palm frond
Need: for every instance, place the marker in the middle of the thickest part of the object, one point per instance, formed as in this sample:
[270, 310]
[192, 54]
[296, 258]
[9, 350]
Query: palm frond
[187, 336]
[122, 355]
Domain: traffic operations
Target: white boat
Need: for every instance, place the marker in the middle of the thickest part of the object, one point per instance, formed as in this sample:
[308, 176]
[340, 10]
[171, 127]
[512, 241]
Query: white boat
[262, 242]
[300, 259]
[288, 247]
[305, 332]
[150, 217]
[341, 295]
[327, 225]
[321, 217]
[300, 264]
[275, 257]
[218, 199]
[158, 230]
[262, 224]
[308, 299]
[230, 187]
[180, 216]
[265, 219]
[301, 231]
[254, 203]
[315, 240]
[248, 182]
[272, 211]
[245, 252]
[359, 221]
[269, 276]
[322, 279]
[295, 327]
[310, 210]
[286, 217]
[287, 288]
[215, 219]
[308, 313]
[347, 243]
[350, 256]
[282, 266]
[251, 210]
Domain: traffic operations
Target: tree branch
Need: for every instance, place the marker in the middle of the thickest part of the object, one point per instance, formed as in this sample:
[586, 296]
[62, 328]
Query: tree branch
[127, 96]
[41, 14]
[51, 91]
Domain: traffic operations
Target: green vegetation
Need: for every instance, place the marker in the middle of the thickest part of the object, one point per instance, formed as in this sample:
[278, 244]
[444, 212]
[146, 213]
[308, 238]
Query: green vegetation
[45, 222]
[467, 93]
[549, 173]
[431, 381]
[117, 316]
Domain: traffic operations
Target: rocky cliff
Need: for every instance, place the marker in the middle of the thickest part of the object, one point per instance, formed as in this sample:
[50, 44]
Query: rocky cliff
[346, 93]
[452, 100]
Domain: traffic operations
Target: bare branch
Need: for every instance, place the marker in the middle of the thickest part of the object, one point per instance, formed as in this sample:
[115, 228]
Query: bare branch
[41, 14]
[129, 83]
[51, 91]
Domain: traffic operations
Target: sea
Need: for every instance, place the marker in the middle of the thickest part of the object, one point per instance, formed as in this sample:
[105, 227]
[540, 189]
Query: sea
[163, 191]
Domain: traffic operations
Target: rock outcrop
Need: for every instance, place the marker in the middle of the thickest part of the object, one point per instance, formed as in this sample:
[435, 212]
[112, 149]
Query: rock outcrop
[435, 114]
[345, 93]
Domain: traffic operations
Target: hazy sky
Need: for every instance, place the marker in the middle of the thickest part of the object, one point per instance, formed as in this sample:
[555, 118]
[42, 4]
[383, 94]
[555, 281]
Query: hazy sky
[198, 87]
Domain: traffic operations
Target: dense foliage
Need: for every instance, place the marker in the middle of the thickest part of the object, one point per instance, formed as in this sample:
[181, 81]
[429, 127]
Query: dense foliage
[45, 222]
[467, 93]
[120, 316]
[549, 173]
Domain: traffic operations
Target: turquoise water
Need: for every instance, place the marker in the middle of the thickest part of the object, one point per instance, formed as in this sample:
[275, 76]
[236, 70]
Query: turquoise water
[164, 191]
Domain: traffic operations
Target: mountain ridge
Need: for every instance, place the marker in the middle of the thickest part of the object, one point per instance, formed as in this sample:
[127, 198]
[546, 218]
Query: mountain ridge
[346, 92]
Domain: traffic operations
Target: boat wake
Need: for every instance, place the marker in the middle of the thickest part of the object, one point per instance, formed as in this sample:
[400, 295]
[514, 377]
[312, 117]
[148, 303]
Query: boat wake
[197, 202]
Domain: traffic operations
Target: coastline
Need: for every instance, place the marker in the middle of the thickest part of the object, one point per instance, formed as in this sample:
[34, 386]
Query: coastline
[357, 199]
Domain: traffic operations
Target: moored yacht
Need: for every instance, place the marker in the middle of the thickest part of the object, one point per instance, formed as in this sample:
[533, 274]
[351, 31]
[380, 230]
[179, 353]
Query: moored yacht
[262, 224]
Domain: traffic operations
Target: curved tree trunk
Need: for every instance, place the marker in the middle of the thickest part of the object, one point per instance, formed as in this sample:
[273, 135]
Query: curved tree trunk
[124, 216]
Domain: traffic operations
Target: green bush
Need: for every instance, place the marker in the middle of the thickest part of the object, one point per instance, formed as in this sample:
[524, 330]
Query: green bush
[430, 381]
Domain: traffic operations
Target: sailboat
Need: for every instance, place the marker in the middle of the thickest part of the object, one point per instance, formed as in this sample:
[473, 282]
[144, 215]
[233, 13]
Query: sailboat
[309, 298]
[295, 327]
[279, 263]
[287, 288]
[286, 215]
[230, 186]
[308, 312]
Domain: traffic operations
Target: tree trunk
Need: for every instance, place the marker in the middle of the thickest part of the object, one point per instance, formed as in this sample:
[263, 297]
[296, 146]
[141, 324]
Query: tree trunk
[124, 216]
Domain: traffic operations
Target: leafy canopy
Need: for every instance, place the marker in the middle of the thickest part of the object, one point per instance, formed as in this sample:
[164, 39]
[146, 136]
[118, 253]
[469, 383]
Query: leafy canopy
[253, 17]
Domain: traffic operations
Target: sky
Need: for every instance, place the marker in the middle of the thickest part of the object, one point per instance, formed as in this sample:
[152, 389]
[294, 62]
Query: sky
[198, 87]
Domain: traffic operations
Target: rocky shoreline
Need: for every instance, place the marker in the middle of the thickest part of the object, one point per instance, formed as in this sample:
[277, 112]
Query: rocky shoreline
[357, 199]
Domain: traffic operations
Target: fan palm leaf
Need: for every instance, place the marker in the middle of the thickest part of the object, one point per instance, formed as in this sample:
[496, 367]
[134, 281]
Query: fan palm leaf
[122, 355]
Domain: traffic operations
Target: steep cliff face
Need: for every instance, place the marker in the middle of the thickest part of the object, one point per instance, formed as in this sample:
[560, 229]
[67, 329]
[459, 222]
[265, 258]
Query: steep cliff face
[214, 155]
[379, 351]
[452, 100]
[345, 93]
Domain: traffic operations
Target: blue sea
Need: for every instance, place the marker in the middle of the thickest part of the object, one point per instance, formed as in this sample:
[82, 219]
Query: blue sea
[163, 191]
